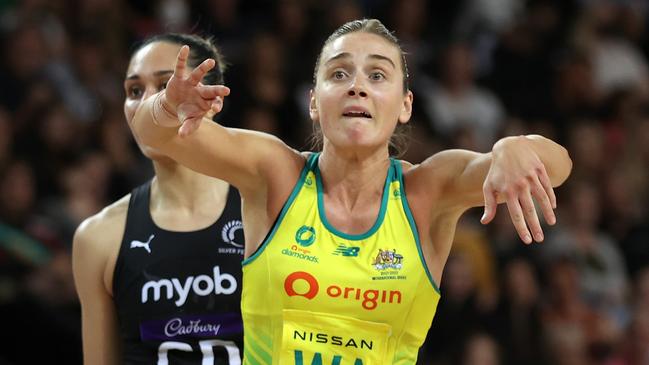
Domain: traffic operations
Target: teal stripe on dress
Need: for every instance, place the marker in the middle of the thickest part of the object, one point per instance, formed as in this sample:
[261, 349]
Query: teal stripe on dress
[287, 205]
[379, 218]
[413, 226]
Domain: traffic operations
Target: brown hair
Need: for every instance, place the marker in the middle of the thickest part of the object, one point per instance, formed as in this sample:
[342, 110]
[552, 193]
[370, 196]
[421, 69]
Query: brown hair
[200, 49]
[400, 137]
[372, 26]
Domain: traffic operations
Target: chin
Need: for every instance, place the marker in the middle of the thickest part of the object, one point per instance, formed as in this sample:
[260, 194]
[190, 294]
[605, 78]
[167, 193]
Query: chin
[162, 159]
[362, 138]
[355, 138]
[155, 155]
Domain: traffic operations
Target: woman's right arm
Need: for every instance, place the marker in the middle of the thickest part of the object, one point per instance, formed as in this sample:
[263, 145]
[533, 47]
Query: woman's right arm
[90, 255]
[169, 122]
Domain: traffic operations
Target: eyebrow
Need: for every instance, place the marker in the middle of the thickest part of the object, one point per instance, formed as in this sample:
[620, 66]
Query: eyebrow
[156, 74]
[372, 56]
[382, 58]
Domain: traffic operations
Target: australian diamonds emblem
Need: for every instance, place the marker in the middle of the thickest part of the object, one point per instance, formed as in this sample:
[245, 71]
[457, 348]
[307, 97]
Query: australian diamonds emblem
[387, 259]
[388, 262]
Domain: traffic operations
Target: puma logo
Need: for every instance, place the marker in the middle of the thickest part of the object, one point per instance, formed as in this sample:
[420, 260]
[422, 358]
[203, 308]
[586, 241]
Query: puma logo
[144, 245]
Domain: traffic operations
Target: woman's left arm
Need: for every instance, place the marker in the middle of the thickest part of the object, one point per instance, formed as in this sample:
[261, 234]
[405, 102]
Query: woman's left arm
[517, 171]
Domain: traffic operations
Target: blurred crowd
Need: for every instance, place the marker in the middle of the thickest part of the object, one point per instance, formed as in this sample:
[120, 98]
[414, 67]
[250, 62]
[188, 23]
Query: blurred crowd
[572, 70]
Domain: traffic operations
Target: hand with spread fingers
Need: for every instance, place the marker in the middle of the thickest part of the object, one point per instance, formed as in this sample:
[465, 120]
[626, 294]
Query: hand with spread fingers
[186, 100]
[518, 177]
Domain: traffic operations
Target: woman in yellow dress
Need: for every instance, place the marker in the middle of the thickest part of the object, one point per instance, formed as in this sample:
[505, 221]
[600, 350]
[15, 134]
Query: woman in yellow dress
[345, 247]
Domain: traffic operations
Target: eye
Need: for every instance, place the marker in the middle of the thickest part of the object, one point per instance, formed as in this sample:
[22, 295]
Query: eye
[134, 91]
[377, 76]
[163, 85]
[338, 75]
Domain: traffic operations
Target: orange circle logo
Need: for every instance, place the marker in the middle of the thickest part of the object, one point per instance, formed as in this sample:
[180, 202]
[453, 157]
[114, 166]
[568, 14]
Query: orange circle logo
[301, 275]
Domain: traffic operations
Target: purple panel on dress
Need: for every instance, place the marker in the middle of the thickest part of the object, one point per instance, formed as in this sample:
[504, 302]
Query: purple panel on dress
[192, 326]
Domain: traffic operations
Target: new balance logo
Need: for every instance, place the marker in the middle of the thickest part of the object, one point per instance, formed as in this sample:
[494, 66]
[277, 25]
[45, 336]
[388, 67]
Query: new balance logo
[144, 245]
[349, 251]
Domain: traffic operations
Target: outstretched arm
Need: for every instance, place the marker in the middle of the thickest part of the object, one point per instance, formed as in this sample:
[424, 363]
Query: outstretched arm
[517, 171]
[170, 122]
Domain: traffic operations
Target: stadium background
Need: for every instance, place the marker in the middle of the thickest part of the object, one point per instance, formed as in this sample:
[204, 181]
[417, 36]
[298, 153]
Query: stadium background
[572, 70]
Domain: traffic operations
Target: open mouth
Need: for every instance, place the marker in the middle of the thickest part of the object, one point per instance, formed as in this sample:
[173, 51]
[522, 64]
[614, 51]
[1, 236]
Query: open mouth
[357, 114]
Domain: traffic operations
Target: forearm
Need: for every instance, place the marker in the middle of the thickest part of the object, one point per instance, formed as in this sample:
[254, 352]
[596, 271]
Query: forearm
[154, 131]
[468, 170]
[519, 171]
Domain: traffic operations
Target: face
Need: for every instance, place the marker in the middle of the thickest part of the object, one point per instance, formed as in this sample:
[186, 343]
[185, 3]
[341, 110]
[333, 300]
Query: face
[148, 72]
[359, 99]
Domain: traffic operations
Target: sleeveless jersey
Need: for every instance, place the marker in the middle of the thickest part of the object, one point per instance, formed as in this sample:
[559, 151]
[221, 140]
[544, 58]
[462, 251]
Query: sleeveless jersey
[315, 295]
[177, 294]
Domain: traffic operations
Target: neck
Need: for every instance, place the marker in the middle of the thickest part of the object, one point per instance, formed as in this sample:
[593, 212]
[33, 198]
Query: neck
[179, 188]
[355, 177]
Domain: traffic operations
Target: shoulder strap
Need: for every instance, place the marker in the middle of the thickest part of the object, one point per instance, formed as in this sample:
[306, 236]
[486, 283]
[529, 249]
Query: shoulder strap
[395, 170]
[138, 215]
[312, 161]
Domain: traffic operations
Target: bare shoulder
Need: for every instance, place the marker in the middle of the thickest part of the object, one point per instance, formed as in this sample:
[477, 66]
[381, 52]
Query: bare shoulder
[281, 168]
[289, 155]
[280, 164]
[274, 152]
[104, 225]
[430, 184]
[422, 179]
[440, 169]
[97, 240]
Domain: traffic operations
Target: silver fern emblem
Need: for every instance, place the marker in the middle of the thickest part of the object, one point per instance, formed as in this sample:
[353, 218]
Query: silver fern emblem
[228, 233]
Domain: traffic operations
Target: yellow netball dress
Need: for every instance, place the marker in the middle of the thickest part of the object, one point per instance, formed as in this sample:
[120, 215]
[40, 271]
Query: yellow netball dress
[315, 295]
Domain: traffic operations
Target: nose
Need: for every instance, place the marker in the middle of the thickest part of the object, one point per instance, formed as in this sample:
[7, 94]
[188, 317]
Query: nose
[354, 92]
[357, 88]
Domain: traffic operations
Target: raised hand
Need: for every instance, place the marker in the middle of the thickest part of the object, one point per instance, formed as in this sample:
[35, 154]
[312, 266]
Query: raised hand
[518, 176]
[189, 99]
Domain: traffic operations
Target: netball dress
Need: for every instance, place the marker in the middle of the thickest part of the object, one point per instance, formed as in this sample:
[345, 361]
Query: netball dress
[177, 294]
[315, 295]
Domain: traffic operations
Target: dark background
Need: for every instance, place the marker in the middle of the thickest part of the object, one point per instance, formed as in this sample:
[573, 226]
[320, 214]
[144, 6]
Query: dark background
[575, 71]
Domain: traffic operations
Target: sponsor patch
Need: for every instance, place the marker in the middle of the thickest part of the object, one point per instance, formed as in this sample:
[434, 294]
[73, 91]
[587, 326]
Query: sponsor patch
[191, 326]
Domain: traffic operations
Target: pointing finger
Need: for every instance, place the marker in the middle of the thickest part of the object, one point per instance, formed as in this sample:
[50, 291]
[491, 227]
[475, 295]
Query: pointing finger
[181, 61]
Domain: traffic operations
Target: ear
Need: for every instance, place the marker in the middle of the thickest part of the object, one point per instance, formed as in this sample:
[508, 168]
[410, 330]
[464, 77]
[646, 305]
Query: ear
[406, 108]
[313, 108]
